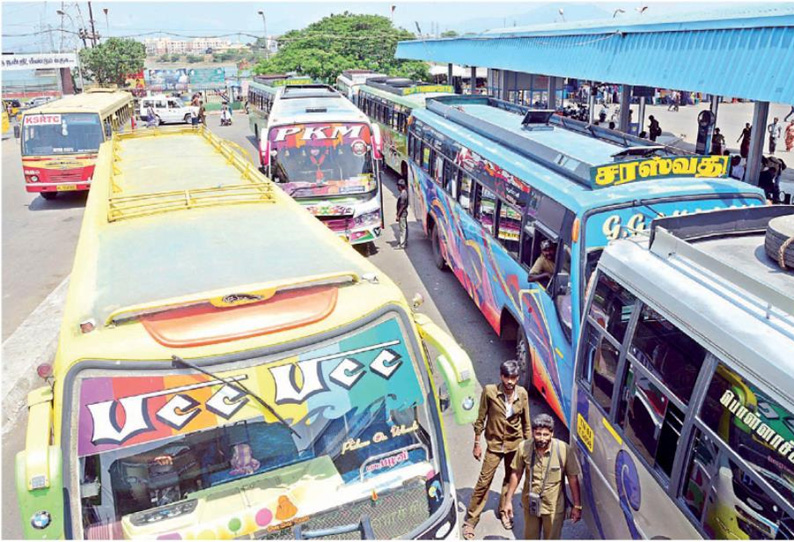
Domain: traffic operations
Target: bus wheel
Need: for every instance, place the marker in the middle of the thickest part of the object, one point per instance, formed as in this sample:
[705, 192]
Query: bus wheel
[188, 119]
[438, 257]
[524, 359]
[49, 195]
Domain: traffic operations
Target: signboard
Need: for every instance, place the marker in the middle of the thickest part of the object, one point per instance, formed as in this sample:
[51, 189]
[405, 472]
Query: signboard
[427, 88]
[658, 168]
[167, 79]
[206, 77]
[39, 61]
[38, 120]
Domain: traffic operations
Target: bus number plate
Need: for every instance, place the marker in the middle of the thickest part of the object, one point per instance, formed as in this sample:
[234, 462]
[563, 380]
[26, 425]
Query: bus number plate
[585, 432]
[66, 187]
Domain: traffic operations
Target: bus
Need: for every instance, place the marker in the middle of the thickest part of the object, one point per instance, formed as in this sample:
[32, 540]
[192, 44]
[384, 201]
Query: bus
[262, 92]
[326, 154]
[495, 185]
[349, 82]
[685, 382]
[389, 103]
[221, 376]
[60, 139]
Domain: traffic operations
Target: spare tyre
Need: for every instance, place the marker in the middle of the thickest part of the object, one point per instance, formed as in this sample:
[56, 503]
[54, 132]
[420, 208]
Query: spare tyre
[779, 241]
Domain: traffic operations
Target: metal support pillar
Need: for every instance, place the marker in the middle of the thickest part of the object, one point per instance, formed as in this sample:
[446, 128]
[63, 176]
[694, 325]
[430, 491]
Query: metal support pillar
[625, 108]
[752, 170]
[552, 101]
[713, 106]
[449, 73]
[591, 101]
[473, 86]
[641, 116]
[503, 85]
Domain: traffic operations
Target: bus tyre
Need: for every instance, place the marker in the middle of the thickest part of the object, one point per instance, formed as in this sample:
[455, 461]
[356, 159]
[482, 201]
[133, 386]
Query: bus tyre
[49, 195]
[188, 119]
[524, 359]
[438, 256]
[779, 241]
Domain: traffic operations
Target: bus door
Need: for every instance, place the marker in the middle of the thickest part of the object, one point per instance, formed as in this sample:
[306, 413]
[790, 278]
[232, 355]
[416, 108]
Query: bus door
[546, 304]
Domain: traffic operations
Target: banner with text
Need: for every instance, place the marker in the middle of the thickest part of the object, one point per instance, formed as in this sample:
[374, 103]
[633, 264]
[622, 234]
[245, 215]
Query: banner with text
[39, 61]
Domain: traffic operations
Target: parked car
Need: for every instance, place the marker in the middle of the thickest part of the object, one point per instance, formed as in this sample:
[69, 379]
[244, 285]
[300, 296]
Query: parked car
[167, 109]
[41, 100]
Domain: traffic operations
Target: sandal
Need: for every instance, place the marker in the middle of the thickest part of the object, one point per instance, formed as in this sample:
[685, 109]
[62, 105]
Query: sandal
[468, 531]
[507, 521]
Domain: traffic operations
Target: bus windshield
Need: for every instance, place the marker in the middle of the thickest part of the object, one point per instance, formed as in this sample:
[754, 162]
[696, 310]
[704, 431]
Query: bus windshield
[323, 159]
[358, 412]
[61, 133]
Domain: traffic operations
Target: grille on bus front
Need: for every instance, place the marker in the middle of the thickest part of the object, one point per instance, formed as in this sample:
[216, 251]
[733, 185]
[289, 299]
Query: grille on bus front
[337, 224]
[392, 515]
[66, 177]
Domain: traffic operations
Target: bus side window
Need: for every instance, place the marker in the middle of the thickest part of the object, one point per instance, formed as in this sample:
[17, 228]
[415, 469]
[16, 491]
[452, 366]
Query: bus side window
[599, 364]
[485, 210]
[746, 419]
[508, 228]
[425, 157]
[612, 307]
[438, 170]
[663, 365]
[527, 240]
[466, 187]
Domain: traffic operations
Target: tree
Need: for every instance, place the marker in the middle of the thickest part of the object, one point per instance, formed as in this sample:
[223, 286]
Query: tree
[110, 62]
[341, 42]
[175, 57]
[163, 58]
[192, 59]
[449, 34]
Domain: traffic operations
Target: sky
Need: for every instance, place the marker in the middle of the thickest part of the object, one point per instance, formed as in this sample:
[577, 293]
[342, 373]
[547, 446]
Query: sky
[23, 23]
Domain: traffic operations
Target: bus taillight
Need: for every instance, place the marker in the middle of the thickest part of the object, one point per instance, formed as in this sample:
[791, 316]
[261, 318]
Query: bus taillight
[264, 152]
[377, 143]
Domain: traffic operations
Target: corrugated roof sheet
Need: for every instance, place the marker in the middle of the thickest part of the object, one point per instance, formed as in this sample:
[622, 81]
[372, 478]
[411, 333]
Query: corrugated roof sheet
[747, 54]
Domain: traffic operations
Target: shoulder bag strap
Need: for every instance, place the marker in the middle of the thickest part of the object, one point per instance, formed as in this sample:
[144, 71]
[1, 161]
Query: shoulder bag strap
[564, 477]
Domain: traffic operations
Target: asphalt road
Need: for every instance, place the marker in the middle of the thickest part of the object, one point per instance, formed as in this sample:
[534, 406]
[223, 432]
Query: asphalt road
[39, 238]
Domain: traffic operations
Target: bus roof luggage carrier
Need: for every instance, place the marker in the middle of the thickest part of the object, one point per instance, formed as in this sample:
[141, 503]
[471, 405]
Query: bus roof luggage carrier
[450, 107]
[739, 248]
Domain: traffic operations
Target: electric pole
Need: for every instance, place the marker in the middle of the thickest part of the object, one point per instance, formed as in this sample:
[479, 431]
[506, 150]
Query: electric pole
[93, 29]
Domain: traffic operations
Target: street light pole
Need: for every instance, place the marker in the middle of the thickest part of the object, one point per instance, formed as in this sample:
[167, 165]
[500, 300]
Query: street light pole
[62, 13]
[264, 25]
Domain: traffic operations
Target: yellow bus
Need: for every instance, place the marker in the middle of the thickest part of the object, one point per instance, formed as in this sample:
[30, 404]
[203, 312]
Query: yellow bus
[221, 375]
[60, 139]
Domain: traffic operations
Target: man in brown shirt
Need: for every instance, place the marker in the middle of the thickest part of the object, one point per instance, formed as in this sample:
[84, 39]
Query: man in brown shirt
[546, 460]
[504, 416]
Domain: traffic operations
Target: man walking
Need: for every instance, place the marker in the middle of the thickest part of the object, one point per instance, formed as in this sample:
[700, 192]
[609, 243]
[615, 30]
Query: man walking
[775, 131]
[402, 214]
[504, 416]
[546, 460]
[654, 130]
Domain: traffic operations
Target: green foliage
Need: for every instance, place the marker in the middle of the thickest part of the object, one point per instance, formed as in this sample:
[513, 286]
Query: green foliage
[175, 57]
[192, 59]
[109, 62]
[164, 58]
[342, 42]
[449, 34]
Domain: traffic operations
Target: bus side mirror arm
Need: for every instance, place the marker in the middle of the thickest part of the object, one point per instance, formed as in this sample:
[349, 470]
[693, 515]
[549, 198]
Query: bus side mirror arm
[456, 369]
[17, 131]
[39, 478]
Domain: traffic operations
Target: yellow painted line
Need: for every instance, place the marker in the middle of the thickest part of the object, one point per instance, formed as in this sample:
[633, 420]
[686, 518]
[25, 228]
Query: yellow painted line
[557, 350]
[612, 431]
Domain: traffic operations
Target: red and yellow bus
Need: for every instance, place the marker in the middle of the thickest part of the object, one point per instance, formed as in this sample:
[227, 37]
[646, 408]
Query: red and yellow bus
[60, 140]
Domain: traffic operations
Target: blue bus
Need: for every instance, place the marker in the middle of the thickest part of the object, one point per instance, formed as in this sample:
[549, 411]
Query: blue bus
[519, 203]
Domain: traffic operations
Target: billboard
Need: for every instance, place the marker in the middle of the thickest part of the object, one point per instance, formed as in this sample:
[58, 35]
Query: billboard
[38, 61]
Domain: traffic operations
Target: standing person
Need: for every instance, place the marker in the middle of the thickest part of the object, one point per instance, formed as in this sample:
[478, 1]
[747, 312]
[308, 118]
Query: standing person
[546, 460]
[151, 116]
[402, 214]
[195, 101]
[654, 130]
[504, 416]
[744, 147]
[790, 136]
[775, 131]
[202, 113]
[717, 142]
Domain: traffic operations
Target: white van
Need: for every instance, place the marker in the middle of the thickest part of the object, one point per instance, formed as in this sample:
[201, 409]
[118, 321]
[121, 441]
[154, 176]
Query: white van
[167, 109]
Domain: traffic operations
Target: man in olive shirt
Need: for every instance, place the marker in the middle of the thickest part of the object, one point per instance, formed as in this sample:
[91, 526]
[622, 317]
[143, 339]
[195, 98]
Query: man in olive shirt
[504, 416]
[543, 268]
[546, 460]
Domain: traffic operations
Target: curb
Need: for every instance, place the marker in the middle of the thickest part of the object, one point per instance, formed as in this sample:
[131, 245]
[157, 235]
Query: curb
[34, 342]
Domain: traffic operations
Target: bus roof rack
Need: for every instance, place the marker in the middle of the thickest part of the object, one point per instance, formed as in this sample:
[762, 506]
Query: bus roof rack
[310, 91]
[537, 119]
[643, 151]
[700, 238]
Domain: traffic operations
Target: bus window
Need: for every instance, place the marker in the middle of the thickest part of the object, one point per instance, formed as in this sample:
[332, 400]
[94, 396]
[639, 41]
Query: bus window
[612, 307]
[426, 157]
[562, 289]
[527, 240]
[761, 431]
[438, 170]
[669, 353]
[486, 209]
[599, 364]
[651, 422]
[508, 228]
[466, 186]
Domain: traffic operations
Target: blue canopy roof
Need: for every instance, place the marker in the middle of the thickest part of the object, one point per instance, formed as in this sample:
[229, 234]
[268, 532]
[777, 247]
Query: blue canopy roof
[737, 53]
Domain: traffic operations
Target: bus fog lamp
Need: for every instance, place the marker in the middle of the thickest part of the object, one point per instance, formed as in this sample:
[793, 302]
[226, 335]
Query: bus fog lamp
[44, 370]
[443, 530]
[41, 520]
[34, 178]
[468, 403]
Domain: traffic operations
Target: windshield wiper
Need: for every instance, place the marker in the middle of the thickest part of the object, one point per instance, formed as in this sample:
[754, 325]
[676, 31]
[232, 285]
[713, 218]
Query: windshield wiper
[643, 204]
[238, 386]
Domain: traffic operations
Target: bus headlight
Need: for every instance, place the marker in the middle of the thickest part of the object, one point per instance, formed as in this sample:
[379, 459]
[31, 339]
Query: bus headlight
[367, 219]
[33, 178]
